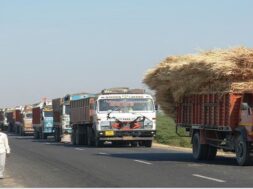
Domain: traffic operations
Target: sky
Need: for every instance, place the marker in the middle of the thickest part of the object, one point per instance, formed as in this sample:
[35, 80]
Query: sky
[50, 48]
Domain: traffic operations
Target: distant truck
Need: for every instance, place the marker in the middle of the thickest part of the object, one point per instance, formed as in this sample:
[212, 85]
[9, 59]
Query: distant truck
[10, 119]
[3, 120]
[17, 116]
[26, 127]
[117, 115]
[61, 107]
[218, 121]
[42, 119]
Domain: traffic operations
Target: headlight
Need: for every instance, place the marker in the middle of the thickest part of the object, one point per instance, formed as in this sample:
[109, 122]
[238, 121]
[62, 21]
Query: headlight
[104, 123]
[148, 124]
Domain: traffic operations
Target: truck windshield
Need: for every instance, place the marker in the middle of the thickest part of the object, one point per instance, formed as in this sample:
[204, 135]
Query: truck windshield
[29, 115]
[126, 105]
[67, 109]
[48, 114]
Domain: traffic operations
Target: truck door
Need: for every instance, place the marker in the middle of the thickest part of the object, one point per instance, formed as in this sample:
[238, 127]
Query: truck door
[246, 112]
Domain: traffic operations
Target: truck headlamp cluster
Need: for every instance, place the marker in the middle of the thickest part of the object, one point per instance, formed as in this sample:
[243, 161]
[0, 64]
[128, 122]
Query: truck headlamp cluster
[148, 124]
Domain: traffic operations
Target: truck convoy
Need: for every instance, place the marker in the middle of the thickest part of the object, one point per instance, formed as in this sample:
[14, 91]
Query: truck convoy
[42, 119]
[61, 107]
[118, 115]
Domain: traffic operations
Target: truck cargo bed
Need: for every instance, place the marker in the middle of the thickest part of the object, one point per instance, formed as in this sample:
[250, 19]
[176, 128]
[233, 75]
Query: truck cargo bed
[217, 111]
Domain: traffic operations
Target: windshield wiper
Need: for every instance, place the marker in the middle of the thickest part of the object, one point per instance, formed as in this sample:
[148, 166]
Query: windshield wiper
[111, 111]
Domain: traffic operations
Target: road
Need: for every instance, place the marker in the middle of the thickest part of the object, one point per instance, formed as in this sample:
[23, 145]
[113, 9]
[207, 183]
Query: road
[44, 163]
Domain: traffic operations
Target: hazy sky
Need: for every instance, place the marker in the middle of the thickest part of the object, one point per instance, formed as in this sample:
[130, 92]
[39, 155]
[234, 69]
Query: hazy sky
[49, 48]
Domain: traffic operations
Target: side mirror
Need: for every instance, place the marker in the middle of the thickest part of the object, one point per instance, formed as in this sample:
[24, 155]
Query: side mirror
[156, 107]
[244, 106]
[249, 111]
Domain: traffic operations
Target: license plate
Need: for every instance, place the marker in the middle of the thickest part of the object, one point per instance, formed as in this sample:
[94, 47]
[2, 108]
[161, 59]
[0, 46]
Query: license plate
[127, 137]
[109, 133]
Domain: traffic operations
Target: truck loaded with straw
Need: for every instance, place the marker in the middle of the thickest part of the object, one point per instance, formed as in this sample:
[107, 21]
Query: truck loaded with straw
[210, 95]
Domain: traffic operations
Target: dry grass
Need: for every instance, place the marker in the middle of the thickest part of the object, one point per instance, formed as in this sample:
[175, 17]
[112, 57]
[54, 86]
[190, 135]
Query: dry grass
[211, 71]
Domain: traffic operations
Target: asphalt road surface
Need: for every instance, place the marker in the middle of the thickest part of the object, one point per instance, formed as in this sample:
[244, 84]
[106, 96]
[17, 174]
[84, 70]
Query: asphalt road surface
[44, 163]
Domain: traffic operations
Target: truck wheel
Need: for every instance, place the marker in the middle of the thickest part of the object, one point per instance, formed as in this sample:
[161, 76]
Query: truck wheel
[21, 132]
[242, 151]
[98, 143]
[57, 135]
[199, 150]
[36, 134]
[148, 143]
[77, 137]
[134, 144]
[211, 154]
[44, 136]
[73, 137]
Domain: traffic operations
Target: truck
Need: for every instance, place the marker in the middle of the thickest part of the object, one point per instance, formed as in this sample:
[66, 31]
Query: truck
[116, 115]
[17, 116]
[10, 119]
[42, 119]
[218, 121]
[61, 117]
[3, 120]
[26, 127]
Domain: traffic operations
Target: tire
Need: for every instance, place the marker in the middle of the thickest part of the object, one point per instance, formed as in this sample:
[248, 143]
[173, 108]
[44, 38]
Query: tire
[148, 143]
[211, 153]
[57, 135]
[21, 132]
[85, 136]
[134, 144]
[199, 151]
[73, 136]
[98, 143]
[44, 135]
[36, 134]
[77, 137]
[242, 151]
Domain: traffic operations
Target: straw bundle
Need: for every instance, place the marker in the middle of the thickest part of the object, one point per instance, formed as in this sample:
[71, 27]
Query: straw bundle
[211, 71]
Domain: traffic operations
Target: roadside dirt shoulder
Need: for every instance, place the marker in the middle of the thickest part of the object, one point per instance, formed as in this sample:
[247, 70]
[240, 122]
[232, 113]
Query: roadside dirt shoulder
[183, 149]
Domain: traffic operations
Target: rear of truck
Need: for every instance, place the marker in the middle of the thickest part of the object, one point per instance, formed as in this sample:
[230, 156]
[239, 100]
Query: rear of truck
[18, 119]
[81, 118]
[10, 120]
[3, 120]
[125, 116]
[218, 121]
[62, 129]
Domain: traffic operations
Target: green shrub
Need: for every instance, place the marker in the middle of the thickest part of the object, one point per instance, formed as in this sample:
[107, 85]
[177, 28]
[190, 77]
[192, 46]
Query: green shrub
[166, 132]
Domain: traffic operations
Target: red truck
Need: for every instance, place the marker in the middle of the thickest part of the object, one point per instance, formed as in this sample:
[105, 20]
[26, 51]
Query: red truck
[218, 121]
[10, 119]
[17, 116]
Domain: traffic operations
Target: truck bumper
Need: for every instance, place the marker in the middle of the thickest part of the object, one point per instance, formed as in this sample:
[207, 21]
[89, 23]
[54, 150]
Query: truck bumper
[126, 135]
[126, 138]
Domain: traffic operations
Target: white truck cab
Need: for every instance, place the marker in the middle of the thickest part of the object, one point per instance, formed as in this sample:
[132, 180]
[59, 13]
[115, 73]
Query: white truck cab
[125, 115]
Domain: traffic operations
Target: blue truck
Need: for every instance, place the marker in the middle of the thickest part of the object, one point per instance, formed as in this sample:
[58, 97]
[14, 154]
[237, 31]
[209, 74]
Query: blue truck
[43, 120]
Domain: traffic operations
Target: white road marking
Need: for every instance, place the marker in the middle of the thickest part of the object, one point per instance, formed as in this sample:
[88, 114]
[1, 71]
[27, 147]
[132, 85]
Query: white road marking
[208, 178]
[79, 149]
[48, 143]
[102, 153]
[144, 162]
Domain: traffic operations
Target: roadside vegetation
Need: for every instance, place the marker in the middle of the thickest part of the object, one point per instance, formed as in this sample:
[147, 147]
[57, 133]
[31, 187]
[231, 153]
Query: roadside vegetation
[166, 132]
